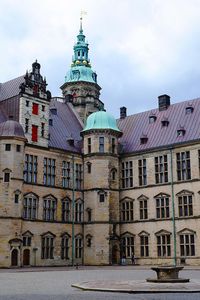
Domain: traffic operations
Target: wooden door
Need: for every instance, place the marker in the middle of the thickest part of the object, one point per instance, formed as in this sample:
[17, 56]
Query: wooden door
[26, 257]
[14, 258]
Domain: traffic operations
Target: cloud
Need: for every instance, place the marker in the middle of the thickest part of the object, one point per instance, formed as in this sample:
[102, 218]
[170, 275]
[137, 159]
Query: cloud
[139, 48]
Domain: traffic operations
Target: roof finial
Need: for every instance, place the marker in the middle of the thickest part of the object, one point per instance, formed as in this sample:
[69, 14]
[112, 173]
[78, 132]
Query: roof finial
[81, 19]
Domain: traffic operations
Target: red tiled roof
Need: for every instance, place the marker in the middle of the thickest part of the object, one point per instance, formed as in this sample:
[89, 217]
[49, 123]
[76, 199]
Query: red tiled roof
[135, 126]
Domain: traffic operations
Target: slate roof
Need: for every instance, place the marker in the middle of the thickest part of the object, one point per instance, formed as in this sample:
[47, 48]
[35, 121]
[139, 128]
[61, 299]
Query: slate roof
[11, 128]
[65, 126]
[10, 88]
[136, 126]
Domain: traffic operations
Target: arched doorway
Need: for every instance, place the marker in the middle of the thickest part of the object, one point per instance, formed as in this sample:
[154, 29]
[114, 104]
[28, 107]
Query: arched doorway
[26, 257]
[14, 258]
[115, 254]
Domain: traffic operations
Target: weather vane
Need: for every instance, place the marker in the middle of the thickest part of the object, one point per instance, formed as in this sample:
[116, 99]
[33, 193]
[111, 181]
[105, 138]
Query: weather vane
[83, 13]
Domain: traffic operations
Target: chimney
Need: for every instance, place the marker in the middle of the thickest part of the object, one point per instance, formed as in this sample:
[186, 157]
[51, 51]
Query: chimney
[123, 112]
[163, 102]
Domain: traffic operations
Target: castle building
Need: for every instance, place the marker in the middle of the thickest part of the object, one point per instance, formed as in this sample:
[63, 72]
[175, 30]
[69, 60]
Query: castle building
[79, 187]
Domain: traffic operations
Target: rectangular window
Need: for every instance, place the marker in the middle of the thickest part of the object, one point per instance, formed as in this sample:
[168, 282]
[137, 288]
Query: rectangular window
[6, 177]
[66, 216]
[185, 207]
[49, 171]
[34, 133]
[161, 169]
[101, 197]
[26, 241]
[65, 248]
[144, 246]
[16, 198]
[18, 148]
[78, 247]
[30, 168]
[164, 245]
[26, 125]
[78, 176]
[128, 246]
[35, 109]
[162, 207]
[42, 129]
[66, 174]
[30, 208]
[79, 211]
[47, 247]
[27, 103]
[43, 107]
[127, 174]
[143, 209]
[113, 145]
[187, 245]
[183, 165]
[101, 144]
[89, 145]
[142, 172]
[49, 209]
[7, 147]
[127, 211]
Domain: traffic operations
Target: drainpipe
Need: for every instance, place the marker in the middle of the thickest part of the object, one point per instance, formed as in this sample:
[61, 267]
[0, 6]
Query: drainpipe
[173, 207]
[73, 204]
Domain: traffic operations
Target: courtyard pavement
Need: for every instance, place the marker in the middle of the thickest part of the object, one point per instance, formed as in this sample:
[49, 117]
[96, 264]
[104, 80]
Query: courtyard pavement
[56, 283]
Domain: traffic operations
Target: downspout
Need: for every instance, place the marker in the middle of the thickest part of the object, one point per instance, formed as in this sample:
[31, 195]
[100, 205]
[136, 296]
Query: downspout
[73, 204]
[173, 209]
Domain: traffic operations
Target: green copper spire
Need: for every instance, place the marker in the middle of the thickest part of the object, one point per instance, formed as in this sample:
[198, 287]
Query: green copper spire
[80, 68]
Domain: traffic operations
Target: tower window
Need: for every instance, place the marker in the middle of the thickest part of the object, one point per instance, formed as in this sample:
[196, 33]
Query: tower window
[43, 107]
[27, 103]
[89, 145]
[89, 165]
[101, 197]
[7, 147]
[42, 129]
[34, 133]
[16, 198]
[101, 144]
[35, 109]
[113, 145]
[6, 177]
[18, 148]
[26, 125]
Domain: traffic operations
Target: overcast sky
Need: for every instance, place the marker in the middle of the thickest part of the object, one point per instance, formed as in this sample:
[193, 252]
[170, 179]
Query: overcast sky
[140, 49]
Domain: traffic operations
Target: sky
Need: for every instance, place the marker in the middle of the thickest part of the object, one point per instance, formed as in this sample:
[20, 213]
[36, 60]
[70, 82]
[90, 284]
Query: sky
[140, 49]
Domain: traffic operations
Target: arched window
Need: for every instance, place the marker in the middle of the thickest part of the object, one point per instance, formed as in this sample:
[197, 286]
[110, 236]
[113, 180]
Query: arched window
[144, 244]
[113, 174]
[30, 207]
[6, 175]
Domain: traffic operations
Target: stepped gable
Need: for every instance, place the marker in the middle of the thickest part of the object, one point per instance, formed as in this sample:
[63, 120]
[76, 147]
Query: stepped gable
[11, 88]
[66, 127]
[183, 125]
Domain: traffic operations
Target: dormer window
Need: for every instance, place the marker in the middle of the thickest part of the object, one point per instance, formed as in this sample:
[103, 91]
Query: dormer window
[152, 119]
[143, 139]
[189, 110]
[165, 123]
[50, 122]
[180, 132]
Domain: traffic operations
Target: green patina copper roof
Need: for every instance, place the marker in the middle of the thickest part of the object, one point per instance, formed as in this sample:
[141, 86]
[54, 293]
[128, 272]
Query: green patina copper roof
[81, 68]
[101, 120]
